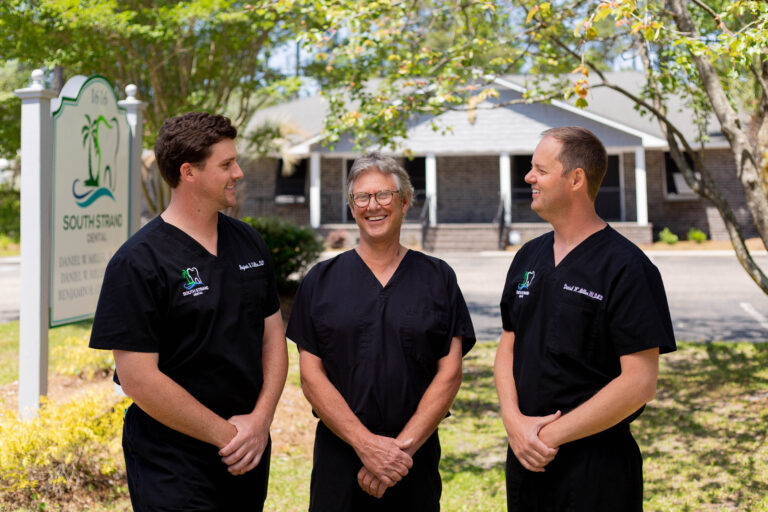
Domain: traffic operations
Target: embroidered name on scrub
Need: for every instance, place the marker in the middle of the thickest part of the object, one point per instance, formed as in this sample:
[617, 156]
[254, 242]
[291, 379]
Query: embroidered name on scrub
[576, 289]
[252, 264]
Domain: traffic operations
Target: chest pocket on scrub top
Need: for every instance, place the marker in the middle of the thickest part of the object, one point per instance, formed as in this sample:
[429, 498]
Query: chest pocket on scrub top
[574, 326]
[424, 332]
[253, 286]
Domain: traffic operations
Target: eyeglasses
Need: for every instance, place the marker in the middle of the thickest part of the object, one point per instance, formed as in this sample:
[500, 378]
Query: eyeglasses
[383, 197]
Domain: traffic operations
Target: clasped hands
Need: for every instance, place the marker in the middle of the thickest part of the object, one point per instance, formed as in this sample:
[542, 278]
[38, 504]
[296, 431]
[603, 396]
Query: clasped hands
[386, 461]
[530, 450]
[245, 449]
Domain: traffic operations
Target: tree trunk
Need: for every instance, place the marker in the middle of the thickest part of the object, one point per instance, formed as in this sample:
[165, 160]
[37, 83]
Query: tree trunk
[745, 155]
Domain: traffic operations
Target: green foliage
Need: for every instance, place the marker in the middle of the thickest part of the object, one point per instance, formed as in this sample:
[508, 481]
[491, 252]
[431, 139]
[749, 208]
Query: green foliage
[10, 213]
[696, 235]
[293, 248]
[12, 76]
[207, 55]
[668, 237]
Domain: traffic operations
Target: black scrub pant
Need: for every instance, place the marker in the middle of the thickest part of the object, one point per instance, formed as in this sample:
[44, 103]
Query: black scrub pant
[334, 486]
[169, 471]
[603, 472]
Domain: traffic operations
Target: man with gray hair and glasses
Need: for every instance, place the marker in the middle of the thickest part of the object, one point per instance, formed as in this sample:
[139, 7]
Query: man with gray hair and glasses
[381, 331]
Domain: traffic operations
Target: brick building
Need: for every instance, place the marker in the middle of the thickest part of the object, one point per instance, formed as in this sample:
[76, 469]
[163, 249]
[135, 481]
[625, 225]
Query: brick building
[472, 176]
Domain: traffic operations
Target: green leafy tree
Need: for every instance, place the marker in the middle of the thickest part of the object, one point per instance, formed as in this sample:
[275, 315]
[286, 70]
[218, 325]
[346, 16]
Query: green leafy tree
[211, 55]
[381, 69]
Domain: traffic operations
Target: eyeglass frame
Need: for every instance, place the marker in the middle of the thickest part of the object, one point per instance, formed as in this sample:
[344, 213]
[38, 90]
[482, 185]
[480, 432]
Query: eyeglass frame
[375, 196]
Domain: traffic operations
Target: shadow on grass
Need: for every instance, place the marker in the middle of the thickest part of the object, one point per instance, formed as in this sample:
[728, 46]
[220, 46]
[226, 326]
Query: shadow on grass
[709, 416]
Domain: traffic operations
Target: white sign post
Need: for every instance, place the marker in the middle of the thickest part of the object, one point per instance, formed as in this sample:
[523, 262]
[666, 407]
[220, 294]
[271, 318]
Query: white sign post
[36, 163]
[79, 202]
[91, 183]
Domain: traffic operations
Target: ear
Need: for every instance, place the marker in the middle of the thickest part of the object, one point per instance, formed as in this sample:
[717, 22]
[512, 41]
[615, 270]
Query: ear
[187, 172]
[406, 204]
[578, 179]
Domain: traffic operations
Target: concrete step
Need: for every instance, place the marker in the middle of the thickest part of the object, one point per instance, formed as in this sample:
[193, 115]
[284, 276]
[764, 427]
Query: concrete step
[462, 237]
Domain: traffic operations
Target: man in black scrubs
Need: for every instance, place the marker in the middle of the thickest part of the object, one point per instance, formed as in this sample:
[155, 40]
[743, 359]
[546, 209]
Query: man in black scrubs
[585, 317]
[190, 308]
[381, 331]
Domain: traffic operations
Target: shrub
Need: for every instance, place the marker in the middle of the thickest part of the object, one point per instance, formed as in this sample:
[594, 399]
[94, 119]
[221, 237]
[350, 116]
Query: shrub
[73, 357]
[293, 248]
[70, 447]
[10, 213]
[668, 237]
[697, 235]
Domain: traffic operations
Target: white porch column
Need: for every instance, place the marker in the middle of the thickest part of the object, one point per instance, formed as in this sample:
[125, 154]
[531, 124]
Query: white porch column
[135, 114]
[431, 187]
[314, 190]
[641, 187]
[36, 194]
[505, 186]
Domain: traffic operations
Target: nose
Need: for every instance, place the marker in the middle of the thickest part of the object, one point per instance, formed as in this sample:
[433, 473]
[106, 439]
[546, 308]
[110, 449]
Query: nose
[237, 172]
[530, 177]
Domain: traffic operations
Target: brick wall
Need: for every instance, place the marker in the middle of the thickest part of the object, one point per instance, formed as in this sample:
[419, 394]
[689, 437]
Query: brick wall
[258, 193]
[681, 214]
[467, 188]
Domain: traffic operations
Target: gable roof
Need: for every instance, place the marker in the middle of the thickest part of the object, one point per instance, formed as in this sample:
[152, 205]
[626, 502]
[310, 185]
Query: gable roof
[511, 128]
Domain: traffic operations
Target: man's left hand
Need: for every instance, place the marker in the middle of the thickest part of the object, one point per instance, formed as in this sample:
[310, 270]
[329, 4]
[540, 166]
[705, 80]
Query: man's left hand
[370, 484]
[244, 451]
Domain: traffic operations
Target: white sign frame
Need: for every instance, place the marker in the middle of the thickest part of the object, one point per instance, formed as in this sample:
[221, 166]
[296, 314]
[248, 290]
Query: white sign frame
[90, 214]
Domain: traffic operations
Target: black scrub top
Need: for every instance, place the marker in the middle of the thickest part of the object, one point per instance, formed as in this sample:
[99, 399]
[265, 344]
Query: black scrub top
[203, 314]
[380, 345]
[572, 322]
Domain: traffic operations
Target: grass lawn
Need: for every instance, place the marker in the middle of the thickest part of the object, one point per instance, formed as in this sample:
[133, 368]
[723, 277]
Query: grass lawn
[704, 438]
[9, 345]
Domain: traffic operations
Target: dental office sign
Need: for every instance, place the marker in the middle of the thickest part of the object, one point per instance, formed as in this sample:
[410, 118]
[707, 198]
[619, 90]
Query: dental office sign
[90, 214]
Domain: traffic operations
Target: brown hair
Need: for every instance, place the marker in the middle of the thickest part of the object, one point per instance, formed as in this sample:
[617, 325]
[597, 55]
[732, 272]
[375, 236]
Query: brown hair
[188, 139]
[580, 148]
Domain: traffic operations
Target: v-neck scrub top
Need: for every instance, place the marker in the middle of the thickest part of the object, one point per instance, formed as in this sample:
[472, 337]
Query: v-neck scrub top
[572, 322]
[380, 344]
[203, 314]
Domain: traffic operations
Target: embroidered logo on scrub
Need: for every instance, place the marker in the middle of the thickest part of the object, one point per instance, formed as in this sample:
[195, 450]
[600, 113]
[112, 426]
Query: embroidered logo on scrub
[193, 284]
[522, 288]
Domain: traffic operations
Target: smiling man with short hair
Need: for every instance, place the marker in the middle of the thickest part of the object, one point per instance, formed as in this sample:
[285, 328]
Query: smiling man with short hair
[189, 307]
[585, 318]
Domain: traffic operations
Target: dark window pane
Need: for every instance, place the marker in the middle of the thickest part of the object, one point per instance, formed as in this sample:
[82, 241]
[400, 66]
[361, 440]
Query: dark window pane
[608, 204]
[417, 171]
[293, 184]
[521, 164]
[612, 174]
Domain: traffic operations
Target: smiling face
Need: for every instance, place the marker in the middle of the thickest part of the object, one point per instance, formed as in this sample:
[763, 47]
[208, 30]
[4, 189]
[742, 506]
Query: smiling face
[377, 222]
[216, 177]
[549, 187]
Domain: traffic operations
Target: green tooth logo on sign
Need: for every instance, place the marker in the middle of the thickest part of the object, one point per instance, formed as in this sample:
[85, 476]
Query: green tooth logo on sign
[95, 141]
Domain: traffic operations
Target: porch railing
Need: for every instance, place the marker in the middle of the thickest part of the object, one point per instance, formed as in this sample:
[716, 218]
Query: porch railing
[424, 221]
[499, 221]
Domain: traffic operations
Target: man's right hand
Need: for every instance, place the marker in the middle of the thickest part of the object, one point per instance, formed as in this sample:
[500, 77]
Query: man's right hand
[386, 458]
[523, 433]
